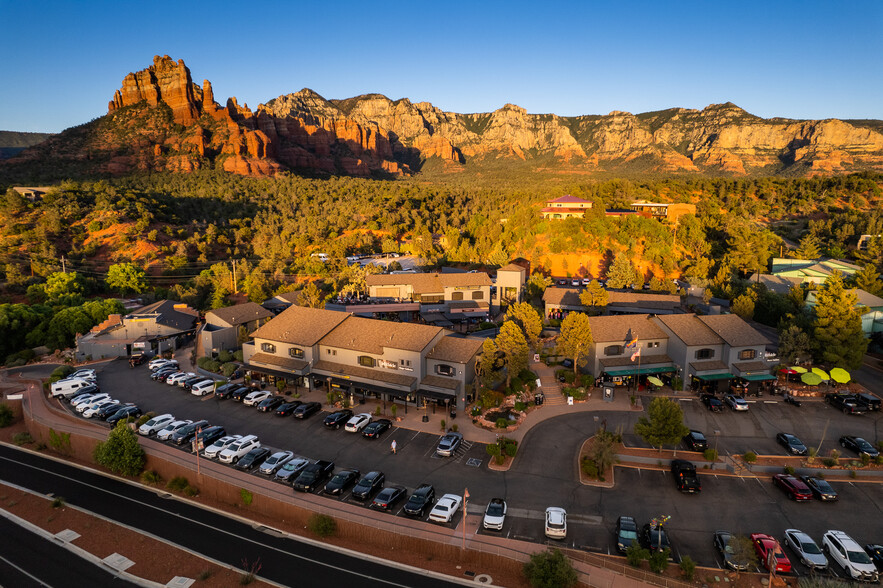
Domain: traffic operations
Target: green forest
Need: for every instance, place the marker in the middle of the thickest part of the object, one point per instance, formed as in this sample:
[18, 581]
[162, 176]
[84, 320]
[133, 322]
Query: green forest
[182, 236]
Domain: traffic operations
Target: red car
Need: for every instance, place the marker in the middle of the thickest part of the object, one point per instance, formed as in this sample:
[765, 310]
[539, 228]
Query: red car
[794, 487]
[766, 547]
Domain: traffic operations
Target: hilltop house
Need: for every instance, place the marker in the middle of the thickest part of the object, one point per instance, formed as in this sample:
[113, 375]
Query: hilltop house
[566, 207]
[560, 301]
[328, 350]
[663, 211]
[158, 327]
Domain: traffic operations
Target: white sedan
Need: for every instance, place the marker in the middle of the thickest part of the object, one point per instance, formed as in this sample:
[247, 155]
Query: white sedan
[736, 402]
[358, 422]
[255, 398]
[175, 378]
[445, 509]
[166, 433]
[93, 409]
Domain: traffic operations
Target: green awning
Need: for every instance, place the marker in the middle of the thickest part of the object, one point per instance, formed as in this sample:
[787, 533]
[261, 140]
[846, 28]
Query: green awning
[758, 377]
[713, 377]
[636, 371]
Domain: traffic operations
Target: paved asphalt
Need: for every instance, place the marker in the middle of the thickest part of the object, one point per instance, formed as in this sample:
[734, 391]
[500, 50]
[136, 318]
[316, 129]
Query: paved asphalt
[545, 473]
[24, 557]
[283, 560]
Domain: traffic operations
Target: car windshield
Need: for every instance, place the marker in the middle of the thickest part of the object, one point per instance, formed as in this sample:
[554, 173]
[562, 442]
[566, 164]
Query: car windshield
[340, 478]
[495, 510]
[858, 557]
[441, 507]
[628, 534]
[289, 466]
[810, 548]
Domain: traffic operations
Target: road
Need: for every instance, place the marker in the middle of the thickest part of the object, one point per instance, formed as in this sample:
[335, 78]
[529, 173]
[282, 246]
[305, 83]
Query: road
[283, 560]
[24, 556]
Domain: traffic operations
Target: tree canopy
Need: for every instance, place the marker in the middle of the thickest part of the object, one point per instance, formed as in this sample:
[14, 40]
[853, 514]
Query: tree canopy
[512, 343]
[530, 321]
[575, 340]
[664, 423]
[121, 453]
[125, 278]
[837, 326]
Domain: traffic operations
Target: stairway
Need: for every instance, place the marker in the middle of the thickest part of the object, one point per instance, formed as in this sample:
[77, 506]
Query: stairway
[549, 384]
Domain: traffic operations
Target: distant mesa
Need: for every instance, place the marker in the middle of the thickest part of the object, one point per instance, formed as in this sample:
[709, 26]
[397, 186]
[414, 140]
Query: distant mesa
[160, 120]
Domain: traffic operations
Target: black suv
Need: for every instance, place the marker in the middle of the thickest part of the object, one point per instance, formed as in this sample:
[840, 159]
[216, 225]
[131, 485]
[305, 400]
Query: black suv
[371, 482]
[210, 434]
[685, 476]
[268, 404]
[654, 537]
[123, 413]
[696, 441]
[870, 401]
[306, 409]
[287, 408]
[187, 432]
[239, 393]
[313, 475]
[422, 497]
[337, 418]
[341, 481]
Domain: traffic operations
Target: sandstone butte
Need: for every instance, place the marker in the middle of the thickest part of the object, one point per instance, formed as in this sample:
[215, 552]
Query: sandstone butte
[372, 134]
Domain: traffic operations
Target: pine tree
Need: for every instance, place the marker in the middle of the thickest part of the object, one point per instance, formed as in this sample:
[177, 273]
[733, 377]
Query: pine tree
[527, 317]
[621, 272]
[794, 345]
[663, 425]
[809, 247]
[487, 370]
[512, 343]
[868, 279]
[594, 295]
[575, 340]
[837, 326]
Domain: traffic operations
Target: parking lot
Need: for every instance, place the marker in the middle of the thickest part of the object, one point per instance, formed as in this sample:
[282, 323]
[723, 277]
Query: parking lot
[545, 473]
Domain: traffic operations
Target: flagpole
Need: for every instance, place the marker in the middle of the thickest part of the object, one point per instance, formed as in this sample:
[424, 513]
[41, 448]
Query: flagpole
[465, 506]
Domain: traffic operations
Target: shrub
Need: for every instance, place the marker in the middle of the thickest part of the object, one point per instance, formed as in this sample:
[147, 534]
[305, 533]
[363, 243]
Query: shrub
[829, 462]
[202, 362]
[237, 355]
[834, 454]
[322, 525]
[23, 438]
[178, 483]
[789, 470]
[635, 554]
[866, 459]
[443, 425]
[151, 477]
[144, 418]
[516, 386]
[393, 409]
[58, 502]
[212, 366]
[228, 368]
[6, 415]
[205, 575]
[508, 446]
[191, 491]
[710, 454]
[60, 442]
[750, 457]
[225, 356]
[476, 411]
[589, 468]
[659, 561]
[550, 569]
[493, 450]
[60, 373]
[688, 567]
[121, 453]
[246, 496]
[879, 459]
[501, 423]
[520, 406]
[455, 427]
[853, 474]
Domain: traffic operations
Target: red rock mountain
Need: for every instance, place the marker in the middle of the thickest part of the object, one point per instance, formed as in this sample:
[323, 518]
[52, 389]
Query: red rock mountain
[160, 120]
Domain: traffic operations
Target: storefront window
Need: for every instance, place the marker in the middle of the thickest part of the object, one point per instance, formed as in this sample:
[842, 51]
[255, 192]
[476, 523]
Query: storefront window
[613, 350]
[445, 370]
[366, 360]
[704, 353]
[296, 352]
[747, 354]
[268, 348]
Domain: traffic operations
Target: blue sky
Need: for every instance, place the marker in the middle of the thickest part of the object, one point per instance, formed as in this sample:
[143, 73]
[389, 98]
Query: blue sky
[63, 60]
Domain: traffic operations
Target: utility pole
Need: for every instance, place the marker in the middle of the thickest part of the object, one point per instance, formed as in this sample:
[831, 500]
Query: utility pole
[63, 270]
[233, 263]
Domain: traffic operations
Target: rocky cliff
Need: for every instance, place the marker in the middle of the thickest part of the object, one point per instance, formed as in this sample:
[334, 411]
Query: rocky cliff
[160, 120]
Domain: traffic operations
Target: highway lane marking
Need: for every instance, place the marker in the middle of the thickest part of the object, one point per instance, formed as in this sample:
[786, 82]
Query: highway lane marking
[25, 572]
[200, 523]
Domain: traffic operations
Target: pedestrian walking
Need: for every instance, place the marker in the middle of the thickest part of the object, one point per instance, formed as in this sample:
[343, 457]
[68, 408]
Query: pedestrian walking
[393, 445]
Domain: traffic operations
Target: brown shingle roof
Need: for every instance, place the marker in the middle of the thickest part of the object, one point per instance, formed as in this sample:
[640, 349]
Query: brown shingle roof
[300, 325]
[456, 349]
[689, 329]
[287, 363]
[626, 360]
[735, 331]
[707, 366]
[646, 300]
[440, 382]
[562, 296]
[372, 336]
[616, 329]
[387, 376]
[239, 314]
[511, 268]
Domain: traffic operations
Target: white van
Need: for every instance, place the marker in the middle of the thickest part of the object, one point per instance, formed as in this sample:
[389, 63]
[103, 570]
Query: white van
[69, 387]
[323, 257]
[203, 388]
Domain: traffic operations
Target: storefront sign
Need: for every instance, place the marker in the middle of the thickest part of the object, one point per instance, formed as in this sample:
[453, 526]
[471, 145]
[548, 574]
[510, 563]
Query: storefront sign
[384, 363]
[406, 369]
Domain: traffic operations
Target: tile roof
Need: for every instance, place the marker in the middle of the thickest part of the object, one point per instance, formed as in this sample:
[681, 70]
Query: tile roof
[373, 336]
[643, 299]
[689, 329]
[239, 314]
[300, 325]
[752, 366]
[735, 331]
[356, 371]
[511, 267]
[617, 329]
[562, 296]
[456, 349]
[568, 199]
